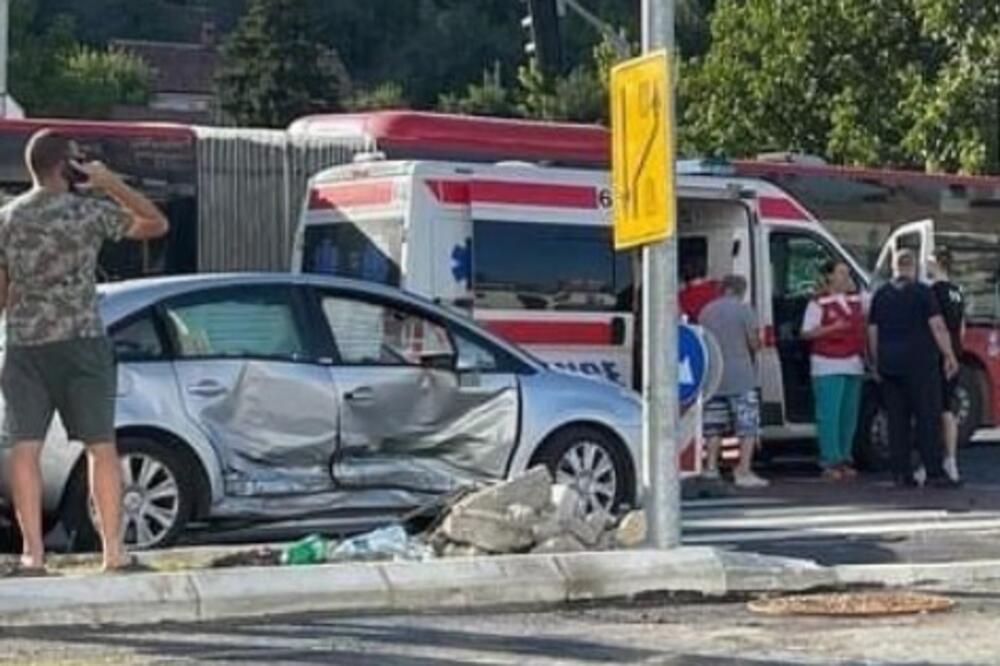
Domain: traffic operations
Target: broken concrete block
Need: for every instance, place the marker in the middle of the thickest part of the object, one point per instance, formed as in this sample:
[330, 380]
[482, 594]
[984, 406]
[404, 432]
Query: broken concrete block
[590, 529]
[491, 531]
[533, 489]
[523, 515]
[566, 502]
[561, 544]
[631, 531]
[547, 527]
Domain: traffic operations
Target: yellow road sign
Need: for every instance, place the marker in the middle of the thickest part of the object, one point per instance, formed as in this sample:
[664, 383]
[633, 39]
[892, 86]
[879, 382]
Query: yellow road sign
[641, 150]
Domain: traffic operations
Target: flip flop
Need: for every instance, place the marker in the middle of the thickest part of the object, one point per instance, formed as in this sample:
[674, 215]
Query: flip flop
[28, 572]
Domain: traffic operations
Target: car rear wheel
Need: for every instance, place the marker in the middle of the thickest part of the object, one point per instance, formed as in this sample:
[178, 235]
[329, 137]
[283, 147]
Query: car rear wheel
[592, 463]
[157, 501]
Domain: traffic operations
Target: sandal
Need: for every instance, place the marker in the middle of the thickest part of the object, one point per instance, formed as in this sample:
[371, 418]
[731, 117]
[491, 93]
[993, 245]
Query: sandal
[833, 474]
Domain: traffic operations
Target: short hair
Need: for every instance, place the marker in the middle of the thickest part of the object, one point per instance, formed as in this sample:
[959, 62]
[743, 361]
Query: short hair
[46, 150]
[734, 284]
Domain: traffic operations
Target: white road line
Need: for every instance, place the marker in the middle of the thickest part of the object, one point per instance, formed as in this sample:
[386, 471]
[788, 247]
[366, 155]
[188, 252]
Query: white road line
[805, 519]
[732, 501]
[947, 525]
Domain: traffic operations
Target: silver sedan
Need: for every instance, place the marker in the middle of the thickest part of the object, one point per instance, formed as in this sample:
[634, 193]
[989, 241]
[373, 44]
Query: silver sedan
[265, 397]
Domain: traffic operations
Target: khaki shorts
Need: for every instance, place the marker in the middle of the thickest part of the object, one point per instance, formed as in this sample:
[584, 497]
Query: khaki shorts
[76, 378]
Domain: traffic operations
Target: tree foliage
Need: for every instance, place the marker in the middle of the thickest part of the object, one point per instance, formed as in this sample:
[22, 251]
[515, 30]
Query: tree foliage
[51, 74]
[899, 82]
[275, 68]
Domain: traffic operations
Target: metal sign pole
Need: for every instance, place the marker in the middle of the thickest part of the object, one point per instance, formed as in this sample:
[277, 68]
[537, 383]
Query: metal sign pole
[4, 42]
[660, 402]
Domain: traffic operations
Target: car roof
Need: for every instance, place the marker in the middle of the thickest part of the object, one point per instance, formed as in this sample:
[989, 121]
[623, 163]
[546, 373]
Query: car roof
[122, 299]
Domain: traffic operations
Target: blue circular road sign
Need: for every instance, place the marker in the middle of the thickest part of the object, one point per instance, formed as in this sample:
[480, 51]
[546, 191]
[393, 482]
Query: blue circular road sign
[692, 364]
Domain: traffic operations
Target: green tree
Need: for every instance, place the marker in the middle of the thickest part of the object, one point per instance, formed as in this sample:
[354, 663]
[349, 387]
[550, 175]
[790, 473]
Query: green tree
[90, 82]
[954, 112]
[53, 75]
[388, 95]
[275, 68]
[824, 77]
[895, 82]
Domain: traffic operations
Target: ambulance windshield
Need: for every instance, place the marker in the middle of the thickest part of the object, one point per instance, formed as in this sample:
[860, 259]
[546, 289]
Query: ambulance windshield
[360, 249]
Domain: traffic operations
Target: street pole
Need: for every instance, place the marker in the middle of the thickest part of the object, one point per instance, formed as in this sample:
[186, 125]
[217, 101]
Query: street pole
[4, 41]
[660, 412]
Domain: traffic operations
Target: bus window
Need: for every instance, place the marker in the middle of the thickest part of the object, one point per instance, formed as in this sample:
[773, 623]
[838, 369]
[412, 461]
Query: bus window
[518, 265]
[370, 250]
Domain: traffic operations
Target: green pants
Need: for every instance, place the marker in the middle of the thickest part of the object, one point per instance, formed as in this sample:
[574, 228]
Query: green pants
[838, 398]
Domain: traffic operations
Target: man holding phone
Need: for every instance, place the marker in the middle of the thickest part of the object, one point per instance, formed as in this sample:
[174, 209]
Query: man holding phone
[58, 358]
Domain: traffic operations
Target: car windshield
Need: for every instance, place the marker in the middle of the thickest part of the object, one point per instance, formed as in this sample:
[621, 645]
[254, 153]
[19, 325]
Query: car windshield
[975, 264]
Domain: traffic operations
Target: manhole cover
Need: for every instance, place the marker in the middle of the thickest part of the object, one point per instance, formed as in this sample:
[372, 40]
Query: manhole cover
[853, 604]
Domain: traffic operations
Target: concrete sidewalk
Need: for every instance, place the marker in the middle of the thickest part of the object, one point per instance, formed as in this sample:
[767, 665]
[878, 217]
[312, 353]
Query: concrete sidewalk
[457, 583]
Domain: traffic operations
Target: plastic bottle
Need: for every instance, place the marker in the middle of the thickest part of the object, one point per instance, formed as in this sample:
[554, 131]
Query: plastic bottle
[310, 550]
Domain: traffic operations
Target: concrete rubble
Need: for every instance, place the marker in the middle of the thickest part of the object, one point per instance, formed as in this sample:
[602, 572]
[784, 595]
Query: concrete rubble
[530, 514]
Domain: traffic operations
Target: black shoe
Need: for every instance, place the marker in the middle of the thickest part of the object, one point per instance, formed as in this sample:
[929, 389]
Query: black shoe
[905, 482]
[945, 483]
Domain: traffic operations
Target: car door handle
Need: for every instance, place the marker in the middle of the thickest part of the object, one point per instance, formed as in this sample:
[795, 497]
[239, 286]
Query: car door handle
[362, 394]
[207, 388]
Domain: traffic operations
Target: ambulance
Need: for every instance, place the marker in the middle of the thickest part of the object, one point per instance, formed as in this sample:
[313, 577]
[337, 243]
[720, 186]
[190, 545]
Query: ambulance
[526, 250]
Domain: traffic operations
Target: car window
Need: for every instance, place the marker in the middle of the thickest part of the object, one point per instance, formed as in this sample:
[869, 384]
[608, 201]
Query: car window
[367, 333]
[473, 355]
[138, 339]
[258, 323]
[796, 260]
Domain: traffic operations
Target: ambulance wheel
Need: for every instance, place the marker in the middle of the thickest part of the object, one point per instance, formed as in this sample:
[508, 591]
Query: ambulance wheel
[871, 440]
[592, 462]
[970, 397]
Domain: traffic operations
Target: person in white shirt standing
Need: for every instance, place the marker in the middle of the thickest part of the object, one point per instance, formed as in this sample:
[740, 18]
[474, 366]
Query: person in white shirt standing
[834, 324]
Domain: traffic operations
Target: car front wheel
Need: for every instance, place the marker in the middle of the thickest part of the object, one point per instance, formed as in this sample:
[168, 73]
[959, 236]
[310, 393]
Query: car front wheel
[592, 463]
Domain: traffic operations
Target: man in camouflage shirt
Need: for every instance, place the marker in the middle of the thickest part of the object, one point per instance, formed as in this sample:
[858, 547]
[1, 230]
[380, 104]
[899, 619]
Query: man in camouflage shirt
[57, 356]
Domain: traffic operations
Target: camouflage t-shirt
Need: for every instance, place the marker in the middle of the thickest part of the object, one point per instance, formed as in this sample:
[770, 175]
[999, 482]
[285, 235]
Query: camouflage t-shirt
[49, 242]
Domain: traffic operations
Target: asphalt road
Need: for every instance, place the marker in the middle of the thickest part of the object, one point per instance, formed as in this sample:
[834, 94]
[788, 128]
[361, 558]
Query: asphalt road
[656, 631]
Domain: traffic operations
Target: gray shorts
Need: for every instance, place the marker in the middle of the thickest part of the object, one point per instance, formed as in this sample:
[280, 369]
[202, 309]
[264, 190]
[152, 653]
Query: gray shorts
[76, 378]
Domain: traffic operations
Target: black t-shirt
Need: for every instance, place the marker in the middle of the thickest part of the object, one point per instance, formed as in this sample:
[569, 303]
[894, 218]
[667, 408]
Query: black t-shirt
[951, 301]
[905, 342]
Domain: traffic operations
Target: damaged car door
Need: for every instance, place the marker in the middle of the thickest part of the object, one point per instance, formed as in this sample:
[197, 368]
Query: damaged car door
[425, 408]
[249, 380]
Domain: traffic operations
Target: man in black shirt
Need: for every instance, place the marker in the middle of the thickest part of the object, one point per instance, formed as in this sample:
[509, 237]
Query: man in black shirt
[951, 301]
[908, 340]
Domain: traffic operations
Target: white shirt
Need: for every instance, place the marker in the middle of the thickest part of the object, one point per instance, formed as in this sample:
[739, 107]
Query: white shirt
[824, 366]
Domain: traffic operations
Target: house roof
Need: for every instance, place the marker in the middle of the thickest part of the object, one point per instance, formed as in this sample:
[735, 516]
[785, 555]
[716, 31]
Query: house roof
[177, 67]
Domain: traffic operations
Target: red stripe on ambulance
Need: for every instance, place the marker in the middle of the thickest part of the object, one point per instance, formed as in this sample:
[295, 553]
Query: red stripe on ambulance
[346, 195]
[781, 208]
[551, 332]
[544, 195]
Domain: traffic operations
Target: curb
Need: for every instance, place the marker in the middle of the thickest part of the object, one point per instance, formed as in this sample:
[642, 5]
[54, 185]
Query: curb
[457, 583]
[214, 594]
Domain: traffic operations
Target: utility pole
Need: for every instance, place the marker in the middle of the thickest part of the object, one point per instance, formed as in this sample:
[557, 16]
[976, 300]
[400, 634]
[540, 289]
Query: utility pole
[659, 279]
[4, 43]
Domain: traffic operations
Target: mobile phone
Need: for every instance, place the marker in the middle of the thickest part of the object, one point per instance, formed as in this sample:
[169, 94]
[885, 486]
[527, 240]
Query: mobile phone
[74, 177]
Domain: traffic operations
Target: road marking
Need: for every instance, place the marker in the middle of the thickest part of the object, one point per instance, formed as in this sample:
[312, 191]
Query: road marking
[752, 520]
